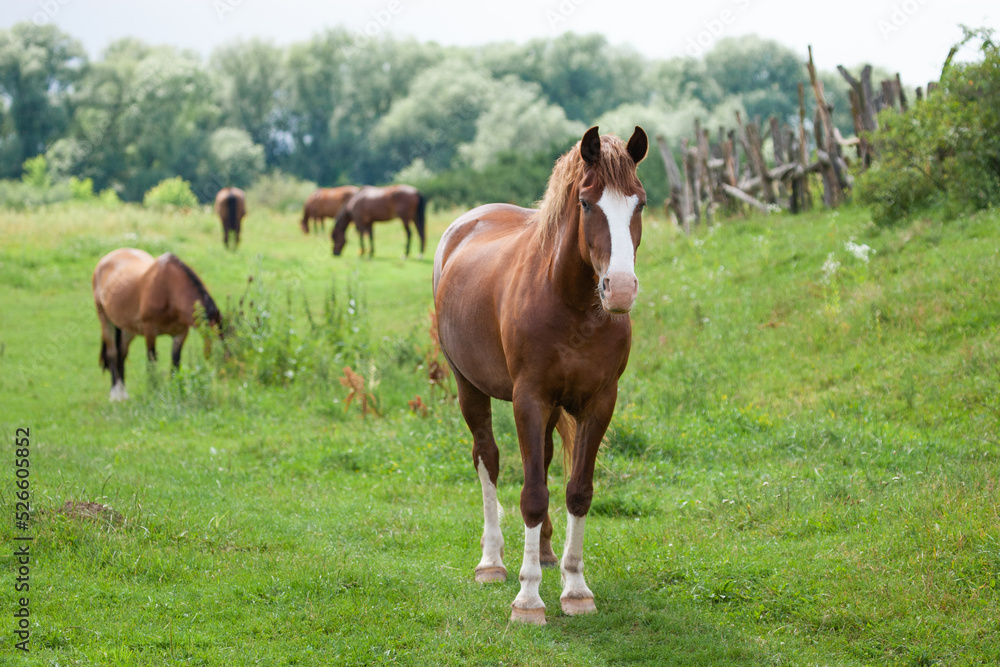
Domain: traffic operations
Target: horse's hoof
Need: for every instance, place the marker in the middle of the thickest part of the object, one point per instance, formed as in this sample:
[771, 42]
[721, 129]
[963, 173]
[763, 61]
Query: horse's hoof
[118, 393]
[533, 616]
[574, 606]
[486, 575]
[549, 563]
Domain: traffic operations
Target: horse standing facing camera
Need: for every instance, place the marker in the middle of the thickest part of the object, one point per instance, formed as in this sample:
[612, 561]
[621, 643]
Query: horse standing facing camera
[137, 295]
[532, 307]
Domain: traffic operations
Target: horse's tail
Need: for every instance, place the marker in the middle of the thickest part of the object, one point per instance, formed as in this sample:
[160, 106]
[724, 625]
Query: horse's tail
[419, 218]
[567, 431]
[232, 203]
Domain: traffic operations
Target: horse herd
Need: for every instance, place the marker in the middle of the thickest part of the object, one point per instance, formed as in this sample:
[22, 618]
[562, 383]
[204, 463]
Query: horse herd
[532, 308]
[363, 206]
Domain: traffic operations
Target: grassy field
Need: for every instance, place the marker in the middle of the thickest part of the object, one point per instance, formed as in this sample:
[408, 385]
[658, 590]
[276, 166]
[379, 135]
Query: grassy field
[802, 470]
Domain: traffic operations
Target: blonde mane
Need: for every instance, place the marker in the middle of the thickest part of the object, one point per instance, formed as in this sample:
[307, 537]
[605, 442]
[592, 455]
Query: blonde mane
[615, 169]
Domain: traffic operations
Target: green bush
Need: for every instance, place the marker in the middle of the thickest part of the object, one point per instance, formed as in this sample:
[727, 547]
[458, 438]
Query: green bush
[170, 192]
[109, 197]
[943, 153]
[279, 191]
[81, 190]
[36, 172]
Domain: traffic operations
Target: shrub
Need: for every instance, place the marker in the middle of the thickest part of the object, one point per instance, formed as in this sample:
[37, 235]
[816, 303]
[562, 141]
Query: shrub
[81, 190]
[109, 197]
[945, 151]
[279, 191]
[170, 192]
[36, 172]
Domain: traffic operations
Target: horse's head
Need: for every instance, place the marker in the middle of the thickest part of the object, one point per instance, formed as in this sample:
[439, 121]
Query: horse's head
[611, 203]
[339, 234]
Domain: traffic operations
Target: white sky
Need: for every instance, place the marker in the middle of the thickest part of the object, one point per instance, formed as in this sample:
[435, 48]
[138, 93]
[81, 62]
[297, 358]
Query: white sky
[907, 36]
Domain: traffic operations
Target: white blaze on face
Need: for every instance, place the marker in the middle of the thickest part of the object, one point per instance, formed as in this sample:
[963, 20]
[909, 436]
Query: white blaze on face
[618, 209]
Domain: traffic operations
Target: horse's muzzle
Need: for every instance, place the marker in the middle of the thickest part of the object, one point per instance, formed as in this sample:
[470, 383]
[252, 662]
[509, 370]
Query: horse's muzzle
[618, 291]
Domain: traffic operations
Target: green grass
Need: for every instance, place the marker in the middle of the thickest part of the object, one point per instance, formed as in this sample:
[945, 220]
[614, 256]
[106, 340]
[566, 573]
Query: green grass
[802, 469]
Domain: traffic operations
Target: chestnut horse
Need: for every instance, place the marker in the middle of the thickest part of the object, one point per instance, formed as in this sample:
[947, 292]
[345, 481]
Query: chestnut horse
[325, 203]
[231, 206]
[372, 205]
[532, 307]
[137, 295]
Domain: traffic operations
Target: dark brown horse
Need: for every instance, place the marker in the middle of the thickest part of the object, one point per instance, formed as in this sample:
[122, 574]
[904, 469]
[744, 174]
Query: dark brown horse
[372, 205]
[137, 295]
[325, 203]
[231, 206]
[532, 307]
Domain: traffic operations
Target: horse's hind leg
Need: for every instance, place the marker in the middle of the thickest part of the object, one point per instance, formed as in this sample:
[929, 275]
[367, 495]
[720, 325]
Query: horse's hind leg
[122, 340]
[546, 555]
[110, 351]
[406, 226]
[478, 415]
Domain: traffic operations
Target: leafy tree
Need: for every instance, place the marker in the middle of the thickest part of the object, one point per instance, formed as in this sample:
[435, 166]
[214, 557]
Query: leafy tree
[583, 74]
[38, 68]
[251, 92]
[439, 113]
[232, 159]
[762, 72]
[519, 120]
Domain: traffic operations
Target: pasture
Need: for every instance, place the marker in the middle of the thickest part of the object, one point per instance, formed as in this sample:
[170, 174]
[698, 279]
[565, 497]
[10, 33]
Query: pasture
[802, 468]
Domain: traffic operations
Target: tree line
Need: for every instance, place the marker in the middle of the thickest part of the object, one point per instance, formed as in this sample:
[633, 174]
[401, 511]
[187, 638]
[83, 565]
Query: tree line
[472, 123]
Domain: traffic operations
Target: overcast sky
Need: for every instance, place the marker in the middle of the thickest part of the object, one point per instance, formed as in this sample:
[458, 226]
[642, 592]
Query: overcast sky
[911, 37]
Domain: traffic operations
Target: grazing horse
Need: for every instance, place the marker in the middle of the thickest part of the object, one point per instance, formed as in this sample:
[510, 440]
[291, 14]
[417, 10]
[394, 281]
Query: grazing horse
[137, 295]
[372, 205]
[532, 307]
[325, 203]
[231, 206]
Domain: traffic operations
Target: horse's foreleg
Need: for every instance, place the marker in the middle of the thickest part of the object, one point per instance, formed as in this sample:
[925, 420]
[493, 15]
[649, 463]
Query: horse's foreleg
[371, 241]
[531, 415]
[486, 458]
[577, 598]
[175, 352]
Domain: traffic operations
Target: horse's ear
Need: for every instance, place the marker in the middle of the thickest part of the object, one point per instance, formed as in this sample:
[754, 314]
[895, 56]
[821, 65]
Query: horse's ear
[638, 145]
[590, 146]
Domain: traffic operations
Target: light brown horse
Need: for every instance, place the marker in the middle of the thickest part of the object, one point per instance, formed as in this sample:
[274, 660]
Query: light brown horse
[532, 307]
[372, 205]
[137, 295]
[231, 206]
[325, 203]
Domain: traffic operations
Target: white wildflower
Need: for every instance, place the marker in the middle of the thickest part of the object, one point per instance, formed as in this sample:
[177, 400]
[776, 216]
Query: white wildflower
[830, 267]
[860, 251]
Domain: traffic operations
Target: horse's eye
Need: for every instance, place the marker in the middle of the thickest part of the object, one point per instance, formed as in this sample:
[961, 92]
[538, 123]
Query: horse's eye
[585, 205]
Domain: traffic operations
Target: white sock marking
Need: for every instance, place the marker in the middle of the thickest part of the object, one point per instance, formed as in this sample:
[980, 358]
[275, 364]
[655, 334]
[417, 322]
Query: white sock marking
[492, 536]
[531, 571]
[572, 562]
